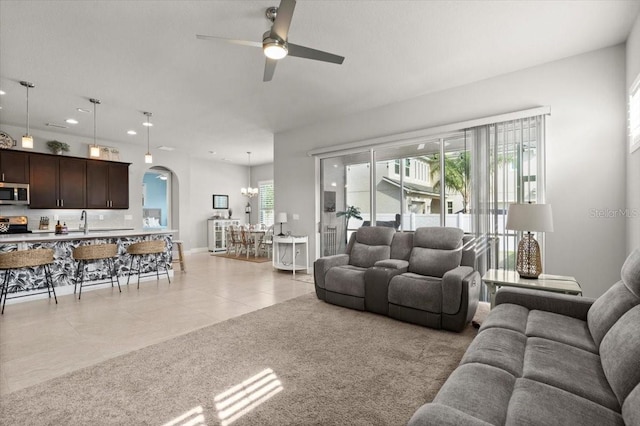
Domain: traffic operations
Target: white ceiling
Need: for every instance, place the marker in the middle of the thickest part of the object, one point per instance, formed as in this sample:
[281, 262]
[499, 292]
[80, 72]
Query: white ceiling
[207, 96]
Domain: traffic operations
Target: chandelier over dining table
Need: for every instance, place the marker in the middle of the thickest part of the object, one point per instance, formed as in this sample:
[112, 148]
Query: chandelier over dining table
[249, 192]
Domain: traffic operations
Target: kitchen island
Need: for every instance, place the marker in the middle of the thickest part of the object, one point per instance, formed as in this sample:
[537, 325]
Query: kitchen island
[63, 270]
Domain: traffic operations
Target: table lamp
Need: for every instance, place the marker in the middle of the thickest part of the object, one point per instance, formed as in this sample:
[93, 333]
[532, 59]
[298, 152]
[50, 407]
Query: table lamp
[282, 218]
[529, 218]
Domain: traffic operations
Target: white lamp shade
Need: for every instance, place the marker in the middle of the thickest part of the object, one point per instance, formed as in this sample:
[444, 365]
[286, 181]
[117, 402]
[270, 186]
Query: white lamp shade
[148, 158]
[94, 151]
[530, 217]
[282, 218]
[27, 141]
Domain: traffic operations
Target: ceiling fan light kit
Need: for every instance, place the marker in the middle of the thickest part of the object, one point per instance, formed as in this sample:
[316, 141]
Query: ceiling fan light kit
[275, 42]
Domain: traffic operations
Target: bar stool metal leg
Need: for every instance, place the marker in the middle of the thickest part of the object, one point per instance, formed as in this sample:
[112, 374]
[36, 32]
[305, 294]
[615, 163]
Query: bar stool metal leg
[5, 288]
[47, 278]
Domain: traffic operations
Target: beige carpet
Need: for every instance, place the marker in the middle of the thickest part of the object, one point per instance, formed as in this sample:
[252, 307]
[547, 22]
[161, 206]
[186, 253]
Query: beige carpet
[302, 362]
[244, 257]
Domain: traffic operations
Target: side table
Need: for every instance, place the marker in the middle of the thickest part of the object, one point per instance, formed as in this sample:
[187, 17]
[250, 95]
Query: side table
[286, 249]
[502, 278]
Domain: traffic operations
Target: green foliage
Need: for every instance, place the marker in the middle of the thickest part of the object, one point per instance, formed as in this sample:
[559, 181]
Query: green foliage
[351, 211]
[55, 146]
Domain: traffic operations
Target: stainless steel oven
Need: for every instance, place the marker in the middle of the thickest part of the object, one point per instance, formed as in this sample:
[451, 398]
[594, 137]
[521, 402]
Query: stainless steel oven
[14, 193]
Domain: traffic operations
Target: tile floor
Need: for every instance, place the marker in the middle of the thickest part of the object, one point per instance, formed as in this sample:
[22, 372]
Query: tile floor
[40, 340]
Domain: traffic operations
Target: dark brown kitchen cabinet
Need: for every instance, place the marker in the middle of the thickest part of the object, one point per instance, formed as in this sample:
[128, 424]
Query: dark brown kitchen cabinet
[14, 166]
[107, 185]
[57, 182]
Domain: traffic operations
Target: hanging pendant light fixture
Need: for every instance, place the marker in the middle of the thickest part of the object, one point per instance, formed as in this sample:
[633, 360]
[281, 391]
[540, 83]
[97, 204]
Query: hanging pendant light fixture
[94, 150]
[27, 139]
[147, 157]
[249, 191]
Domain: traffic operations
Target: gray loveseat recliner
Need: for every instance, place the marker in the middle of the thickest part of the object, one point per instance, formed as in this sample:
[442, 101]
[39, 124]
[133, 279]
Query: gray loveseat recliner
[549, 359]
[414, 277]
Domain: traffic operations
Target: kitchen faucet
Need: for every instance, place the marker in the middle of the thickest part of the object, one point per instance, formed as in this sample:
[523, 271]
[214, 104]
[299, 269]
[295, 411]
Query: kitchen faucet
[84, 216]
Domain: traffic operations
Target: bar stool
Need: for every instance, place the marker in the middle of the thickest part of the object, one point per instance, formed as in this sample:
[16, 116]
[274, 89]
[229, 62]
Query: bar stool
[180, 258]
[137, 250]
[21, 259]
[92, 253]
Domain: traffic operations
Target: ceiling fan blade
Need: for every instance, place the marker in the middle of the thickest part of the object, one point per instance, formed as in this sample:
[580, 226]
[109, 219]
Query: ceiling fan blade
[269, 69]
[230, 40]
[281, 25]
[318, 55]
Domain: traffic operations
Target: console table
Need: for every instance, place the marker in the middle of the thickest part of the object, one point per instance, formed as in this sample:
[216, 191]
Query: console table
[286, 249]
[502, 278]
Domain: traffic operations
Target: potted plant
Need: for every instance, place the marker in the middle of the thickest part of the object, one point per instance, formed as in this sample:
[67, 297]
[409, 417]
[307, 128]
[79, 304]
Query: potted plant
[58, 147]
[351, 211]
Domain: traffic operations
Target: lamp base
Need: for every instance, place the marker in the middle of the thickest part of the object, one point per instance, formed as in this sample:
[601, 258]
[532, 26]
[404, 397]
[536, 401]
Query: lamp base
[281, 234]
[529, 264]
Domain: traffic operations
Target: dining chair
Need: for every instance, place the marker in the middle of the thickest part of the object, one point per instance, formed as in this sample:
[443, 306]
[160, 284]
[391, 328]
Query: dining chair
[266, 243]
[246, 241]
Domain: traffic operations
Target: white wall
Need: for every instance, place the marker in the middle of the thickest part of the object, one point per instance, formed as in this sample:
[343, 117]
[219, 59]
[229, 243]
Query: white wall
[585, 153]
[633, 160]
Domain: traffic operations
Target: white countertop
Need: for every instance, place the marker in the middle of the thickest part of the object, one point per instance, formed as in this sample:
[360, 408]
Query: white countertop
[80, 235]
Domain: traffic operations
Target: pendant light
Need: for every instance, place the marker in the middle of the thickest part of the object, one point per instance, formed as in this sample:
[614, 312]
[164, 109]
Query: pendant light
[249, 191]
[27, 139]
[147, 157]
[94, 150]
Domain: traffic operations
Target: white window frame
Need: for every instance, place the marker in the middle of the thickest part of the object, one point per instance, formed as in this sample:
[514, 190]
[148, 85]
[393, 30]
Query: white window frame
[262, 211]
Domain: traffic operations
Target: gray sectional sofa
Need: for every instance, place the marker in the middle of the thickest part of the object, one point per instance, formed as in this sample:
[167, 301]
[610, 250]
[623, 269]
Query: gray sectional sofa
[548, 359]
[424, 277]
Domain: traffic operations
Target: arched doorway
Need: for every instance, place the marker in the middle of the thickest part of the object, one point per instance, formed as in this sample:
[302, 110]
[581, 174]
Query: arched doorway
[157, 196]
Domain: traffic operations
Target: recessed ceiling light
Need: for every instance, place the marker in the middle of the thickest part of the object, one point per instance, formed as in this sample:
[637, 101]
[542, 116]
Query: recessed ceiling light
[132, 132]
[227, 159]
[147, 124]
[60, 126]
[166, 148]
[2, 92]
[86, 111]
[71, 121]
[421, 146]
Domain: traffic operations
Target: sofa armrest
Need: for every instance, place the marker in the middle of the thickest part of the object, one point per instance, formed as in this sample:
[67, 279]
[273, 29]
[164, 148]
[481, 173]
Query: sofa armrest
[376, 284]
[563, 304]
[443, 415]
[321, 266]
[393, 264]
[452, 282]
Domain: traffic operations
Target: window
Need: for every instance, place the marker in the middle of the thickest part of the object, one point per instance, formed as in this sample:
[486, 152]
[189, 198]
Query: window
[266, 202]
[397, 167]
[634, 115]
[407, 167]
[449, 207]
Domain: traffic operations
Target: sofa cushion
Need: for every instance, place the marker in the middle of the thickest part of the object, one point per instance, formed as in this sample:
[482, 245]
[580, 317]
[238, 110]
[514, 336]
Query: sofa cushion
[631, 272]
[498, 347]
[560, 328]
[417, 292]
[433, 262]
[438, 237]
[608, 309]
[365, 256]
[569, 368]
[631, 407]
[480, 390]
[620, 353]
[534, 403]
[375, 235]
[346, 280]
[443, 415]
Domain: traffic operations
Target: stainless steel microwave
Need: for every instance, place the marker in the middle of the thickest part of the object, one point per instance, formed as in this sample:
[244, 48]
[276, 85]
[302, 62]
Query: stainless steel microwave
[14, 193]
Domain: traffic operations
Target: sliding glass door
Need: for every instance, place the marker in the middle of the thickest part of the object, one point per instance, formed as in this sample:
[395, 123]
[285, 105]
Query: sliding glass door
[464, 179]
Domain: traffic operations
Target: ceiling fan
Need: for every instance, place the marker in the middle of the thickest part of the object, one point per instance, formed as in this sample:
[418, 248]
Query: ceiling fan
[275, 43]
